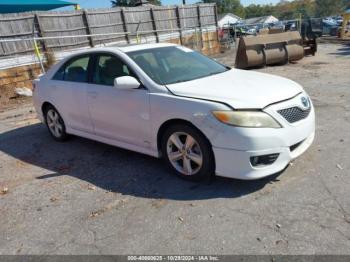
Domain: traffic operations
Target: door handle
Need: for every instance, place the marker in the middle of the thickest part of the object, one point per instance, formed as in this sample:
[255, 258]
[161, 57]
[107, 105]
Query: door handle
[93, 94]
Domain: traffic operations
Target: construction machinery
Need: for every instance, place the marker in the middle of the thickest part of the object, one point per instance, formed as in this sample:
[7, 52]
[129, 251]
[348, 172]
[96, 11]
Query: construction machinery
[275, 47]
[269, 49]
[309, 35]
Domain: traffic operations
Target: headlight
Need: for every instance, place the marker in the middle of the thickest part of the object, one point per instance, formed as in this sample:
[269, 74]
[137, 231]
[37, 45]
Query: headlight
[246, 119]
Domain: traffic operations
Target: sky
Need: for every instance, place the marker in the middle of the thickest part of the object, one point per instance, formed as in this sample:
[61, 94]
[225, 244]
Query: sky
[107, 3]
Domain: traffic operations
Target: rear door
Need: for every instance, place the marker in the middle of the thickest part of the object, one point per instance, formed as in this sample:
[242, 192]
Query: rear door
[68, 93]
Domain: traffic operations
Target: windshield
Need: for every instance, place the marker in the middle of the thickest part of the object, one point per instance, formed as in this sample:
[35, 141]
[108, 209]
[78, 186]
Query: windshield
[175, 64]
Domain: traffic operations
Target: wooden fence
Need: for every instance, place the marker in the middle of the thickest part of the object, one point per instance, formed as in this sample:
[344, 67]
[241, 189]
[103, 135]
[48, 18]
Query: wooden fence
[99, 26]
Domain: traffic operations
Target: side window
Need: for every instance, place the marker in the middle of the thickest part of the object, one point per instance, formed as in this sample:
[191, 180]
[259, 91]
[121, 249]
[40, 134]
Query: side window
[76, 70]
[107, 68]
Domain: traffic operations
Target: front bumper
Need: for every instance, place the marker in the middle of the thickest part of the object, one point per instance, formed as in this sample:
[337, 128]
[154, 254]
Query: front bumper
[236, 164]
[233, 147]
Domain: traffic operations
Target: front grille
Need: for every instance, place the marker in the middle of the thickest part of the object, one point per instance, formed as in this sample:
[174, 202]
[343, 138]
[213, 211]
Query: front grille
[294, 114]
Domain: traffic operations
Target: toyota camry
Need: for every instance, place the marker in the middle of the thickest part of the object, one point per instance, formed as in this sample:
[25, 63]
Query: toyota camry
[169, 101]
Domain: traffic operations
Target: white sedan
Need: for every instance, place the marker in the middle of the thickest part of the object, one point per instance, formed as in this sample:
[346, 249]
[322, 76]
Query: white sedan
[168, 101]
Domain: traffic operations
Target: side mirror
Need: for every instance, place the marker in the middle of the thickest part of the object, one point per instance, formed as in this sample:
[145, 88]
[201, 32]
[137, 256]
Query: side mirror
[126, 82]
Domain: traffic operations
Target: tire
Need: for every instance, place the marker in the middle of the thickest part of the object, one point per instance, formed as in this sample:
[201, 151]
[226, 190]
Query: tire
[194, 161]
[55, 124]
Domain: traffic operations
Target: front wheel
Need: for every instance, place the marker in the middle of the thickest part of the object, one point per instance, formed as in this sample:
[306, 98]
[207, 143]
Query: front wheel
[188, 153]
[55, 124]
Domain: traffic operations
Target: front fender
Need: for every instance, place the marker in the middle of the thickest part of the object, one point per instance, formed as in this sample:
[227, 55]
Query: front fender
[165, 107]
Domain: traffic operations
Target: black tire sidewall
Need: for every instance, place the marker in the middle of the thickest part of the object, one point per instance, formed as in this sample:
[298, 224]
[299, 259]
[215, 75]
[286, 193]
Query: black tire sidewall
[208, 168]
[64, 135]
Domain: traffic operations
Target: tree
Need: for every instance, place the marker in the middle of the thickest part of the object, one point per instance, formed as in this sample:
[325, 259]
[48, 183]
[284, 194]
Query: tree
[291, 10]
[346, 4]
[329, 7]
[285, 10]
[228, 6]
[120, 3]
[116, 3]
[258, 10]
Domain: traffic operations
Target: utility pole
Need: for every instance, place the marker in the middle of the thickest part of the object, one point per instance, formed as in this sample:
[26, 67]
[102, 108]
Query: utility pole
[183, 2]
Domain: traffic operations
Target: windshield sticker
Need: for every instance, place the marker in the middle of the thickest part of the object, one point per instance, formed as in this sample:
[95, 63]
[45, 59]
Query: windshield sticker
[185, 49]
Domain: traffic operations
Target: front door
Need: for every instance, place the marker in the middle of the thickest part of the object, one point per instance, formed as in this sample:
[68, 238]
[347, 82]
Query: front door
[122, 115]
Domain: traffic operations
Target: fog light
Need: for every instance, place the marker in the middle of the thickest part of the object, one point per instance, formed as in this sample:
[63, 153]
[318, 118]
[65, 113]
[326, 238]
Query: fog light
[263, 160]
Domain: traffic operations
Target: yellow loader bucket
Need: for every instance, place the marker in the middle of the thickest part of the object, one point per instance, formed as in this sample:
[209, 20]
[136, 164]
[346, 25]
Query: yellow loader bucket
[344, 33]
[269, 49]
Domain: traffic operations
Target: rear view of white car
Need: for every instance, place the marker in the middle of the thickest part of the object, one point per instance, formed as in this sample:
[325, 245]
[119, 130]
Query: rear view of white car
[168, 101]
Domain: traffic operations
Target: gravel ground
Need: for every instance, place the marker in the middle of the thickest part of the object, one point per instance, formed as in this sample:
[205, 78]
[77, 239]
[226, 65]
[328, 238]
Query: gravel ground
[84, 197]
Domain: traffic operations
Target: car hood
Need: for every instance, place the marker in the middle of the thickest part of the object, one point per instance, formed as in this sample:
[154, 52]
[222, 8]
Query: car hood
[239, 89]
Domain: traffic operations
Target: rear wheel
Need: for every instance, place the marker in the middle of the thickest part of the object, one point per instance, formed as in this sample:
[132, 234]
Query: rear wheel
[55, 124]
[188, 153]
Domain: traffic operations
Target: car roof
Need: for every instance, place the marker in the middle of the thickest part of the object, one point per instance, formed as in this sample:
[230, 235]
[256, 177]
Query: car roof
[125, 49]
[137, 47]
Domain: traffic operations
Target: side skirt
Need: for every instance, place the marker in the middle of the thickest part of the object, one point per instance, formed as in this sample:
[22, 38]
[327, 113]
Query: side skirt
[113, 142]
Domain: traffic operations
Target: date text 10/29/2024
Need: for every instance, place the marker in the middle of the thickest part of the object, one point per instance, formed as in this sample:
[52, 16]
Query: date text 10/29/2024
[173, 258]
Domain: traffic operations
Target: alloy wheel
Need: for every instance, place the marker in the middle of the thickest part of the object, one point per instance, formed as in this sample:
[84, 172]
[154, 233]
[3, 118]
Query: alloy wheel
[54, 122]
[184, 153]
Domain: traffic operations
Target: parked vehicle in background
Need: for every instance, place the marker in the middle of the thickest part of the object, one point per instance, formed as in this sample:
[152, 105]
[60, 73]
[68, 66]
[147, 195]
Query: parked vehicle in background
[168, 101]
[277, 25]
[290, 26]
[251, 30]
[330, 27]
[338, 19]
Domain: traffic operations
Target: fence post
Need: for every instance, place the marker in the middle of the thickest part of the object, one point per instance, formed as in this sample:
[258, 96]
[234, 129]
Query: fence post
[43, 44]
[199, 23]
[40, 31]
[154, 24]
[125, 28]
[178, 20]
[216, 21]
[87, 26]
